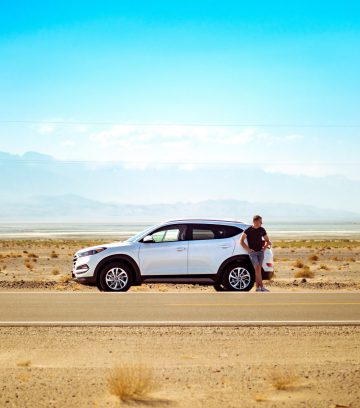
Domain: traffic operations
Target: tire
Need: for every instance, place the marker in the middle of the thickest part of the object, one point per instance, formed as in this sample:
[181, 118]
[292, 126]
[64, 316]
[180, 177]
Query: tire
[239, 277]
[219, 287]
[115, 277]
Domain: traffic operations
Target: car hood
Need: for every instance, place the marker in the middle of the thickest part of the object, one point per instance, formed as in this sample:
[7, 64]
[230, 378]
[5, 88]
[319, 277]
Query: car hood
[110, 245]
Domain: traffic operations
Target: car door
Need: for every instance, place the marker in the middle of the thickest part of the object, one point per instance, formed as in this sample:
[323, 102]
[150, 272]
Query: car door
[166, 254]
[209, 246]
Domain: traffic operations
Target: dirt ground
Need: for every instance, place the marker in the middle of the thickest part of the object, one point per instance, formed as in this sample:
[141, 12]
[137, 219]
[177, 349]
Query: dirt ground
[193, 367]
[46, 263]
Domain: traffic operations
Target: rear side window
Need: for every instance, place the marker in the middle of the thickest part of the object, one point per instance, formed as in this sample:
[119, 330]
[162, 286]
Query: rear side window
[212, 231]
[202, 233]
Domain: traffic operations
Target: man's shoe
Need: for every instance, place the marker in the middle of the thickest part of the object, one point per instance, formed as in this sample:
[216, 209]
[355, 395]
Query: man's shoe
[258, 290]
[263, 289]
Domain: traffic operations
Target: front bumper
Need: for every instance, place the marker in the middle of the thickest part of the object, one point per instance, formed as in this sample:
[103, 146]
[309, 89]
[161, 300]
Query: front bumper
[85, 280]
[82, 276]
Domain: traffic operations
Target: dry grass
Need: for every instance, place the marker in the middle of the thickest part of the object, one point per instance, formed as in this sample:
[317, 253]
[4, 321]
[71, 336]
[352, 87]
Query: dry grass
[305, 272]
[12, 255]
[32, 255]
[324, 267]
[318, 244]
[313, 258]
[133, 382]
[260, 398]
[65, 279]
[55, 271]
[28, 264]
[23, 363]
[23, 377]
[284, 381]
[54, 254]
[298, 263]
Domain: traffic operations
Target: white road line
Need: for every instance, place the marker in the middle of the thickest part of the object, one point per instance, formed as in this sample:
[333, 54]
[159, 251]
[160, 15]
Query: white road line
[156, 323]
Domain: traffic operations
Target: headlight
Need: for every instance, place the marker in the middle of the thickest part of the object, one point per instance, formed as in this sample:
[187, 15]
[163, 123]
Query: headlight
[91, 252]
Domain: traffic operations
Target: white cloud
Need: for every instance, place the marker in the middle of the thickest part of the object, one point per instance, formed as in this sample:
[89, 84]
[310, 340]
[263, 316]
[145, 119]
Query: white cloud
[298, 169]
[68, 143]
[293, 136]
[185, 146]
[49, 126]
[46, 128]
[123, 135]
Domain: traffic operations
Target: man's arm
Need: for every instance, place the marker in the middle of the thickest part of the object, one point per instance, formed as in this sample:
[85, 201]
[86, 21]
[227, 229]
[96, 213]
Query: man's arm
[267, 241]
[242, 242]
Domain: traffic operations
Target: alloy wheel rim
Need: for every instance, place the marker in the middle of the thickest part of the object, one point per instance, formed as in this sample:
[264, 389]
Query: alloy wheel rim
[239, 278]
[116, 278]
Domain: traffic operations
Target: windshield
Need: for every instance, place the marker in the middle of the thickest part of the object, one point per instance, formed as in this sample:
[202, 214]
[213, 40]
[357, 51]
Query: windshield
[139, 234]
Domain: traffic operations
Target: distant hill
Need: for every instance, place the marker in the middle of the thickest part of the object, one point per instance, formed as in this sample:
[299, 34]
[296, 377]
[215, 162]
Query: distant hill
[38, 186]
[76, 208]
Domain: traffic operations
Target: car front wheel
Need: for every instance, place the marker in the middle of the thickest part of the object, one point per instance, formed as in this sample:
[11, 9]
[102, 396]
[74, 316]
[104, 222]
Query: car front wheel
[238, 277]
[115, 277]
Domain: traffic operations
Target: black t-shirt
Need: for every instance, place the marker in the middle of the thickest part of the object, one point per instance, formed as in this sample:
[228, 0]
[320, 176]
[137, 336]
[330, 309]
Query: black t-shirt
[254, 237]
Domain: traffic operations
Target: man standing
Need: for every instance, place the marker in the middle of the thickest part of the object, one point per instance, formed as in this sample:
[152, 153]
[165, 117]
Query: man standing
[255, 247]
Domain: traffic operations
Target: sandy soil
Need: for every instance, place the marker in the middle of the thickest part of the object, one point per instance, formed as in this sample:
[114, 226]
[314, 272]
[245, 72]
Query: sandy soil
[46, 263]
[193, 367]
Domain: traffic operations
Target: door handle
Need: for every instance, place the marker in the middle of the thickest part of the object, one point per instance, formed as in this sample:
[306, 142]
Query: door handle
[225, 246]
[179, 249]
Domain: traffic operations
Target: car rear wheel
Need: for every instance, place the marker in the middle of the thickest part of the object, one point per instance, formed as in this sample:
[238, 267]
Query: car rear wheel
[219, 287]
[238, 277]
[115, 277]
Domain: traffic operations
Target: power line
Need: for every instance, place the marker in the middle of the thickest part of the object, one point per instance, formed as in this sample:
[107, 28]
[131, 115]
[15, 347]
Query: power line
[154, 164]
[270, 125]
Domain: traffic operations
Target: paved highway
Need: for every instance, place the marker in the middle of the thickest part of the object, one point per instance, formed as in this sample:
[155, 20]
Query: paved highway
[198, 309]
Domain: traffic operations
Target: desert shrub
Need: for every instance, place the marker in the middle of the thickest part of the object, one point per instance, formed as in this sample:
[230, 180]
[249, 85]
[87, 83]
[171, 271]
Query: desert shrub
[304, 273]
[313, 258]
[23, 363]
[54, 254]
[65, 279]
[299, 264]
[284, 381]
[133, 382]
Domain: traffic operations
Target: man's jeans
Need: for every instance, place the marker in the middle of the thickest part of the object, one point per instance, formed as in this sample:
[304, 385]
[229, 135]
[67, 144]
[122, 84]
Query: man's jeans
[257, 258]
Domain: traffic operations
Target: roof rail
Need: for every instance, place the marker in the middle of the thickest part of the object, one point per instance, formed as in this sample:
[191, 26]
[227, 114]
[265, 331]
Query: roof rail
[206, 219]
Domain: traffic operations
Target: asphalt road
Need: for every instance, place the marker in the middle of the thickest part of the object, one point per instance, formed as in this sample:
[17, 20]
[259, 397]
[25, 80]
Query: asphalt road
[198, 309]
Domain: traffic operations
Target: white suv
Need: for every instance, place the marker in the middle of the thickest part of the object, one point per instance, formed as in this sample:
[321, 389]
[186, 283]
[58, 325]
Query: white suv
[187, 251]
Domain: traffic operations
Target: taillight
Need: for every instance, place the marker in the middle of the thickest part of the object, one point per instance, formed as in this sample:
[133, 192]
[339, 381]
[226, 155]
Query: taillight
[269, 265]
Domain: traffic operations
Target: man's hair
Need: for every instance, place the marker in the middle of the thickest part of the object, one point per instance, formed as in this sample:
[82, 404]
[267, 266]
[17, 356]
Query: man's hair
[257, 217]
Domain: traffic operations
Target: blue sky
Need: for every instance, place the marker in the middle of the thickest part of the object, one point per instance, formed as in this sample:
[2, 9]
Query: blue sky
[184, 62]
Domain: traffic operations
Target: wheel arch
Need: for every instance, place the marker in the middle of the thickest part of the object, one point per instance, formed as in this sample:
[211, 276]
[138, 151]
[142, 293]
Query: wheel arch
[233, 259]
[122, 258]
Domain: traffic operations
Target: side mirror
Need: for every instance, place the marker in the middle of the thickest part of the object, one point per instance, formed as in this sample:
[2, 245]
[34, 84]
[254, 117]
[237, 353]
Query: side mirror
[147, 239]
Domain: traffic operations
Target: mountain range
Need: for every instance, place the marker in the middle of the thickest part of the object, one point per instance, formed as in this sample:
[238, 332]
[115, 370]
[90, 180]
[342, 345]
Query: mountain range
[39, 187]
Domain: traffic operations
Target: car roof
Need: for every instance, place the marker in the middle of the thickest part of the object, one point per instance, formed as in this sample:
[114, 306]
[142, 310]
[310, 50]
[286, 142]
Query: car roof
[206, 221]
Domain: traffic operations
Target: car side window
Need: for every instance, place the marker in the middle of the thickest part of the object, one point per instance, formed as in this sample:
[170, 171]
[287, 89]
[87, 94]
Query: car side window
[213, 231]
[166, 235]
[227, 231]
[202, 233]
